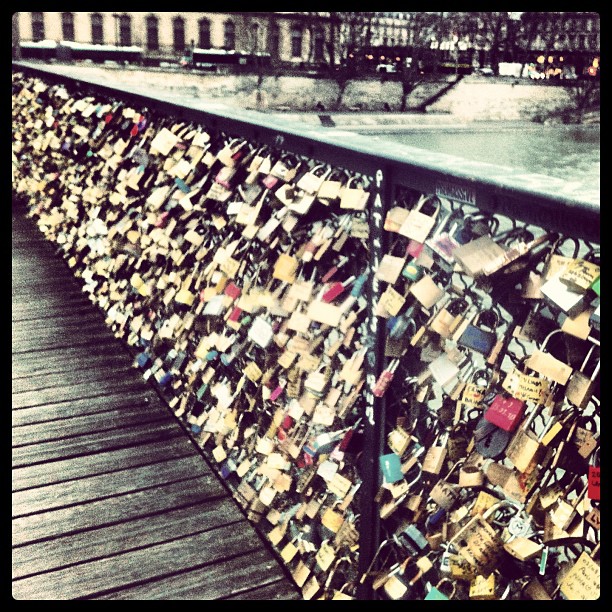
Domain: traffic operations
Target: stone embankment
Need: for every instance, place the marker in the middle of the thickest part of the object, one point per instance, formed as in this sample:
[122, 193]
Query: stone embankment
[473, 98]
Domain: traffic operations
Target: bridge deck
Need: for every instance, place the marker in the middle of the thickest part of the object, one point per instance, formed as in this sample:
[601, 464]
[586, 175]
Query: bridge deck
[111, 498]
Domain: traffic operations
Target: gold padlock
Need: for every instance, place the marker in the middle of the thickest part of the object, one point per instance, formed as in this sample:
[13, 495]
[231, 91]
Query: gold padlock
[580, 386]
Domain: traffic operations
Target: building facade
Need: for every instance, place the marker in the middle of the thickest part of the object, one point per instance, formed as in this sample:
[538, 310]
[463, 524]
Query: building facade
[290, 37]
[548, 40]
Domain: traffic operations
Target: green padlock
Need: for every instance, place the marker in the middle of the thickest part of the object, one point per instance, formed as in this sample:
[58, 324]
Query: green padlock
[411, 271]
[436, 593]
[595, 286]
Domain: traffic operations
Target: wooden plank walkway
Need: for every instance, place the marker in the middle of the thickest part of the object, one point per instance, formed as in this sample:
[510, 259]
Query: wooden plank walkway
[111, 498]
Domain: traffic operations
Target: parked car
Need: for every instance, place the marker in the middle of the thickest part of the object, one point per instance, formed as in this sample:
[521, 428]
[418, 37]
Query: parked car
[486, 71]
[386, 68]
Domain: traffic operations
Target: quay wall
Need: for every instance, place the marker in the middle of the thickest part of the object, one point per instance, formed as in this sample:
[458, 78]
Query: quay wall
[473, 98]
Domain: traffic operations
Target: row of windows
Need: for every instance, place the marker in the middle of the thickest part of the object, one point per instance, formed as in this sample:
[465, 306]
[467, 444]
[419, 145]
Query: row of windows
[256, 43]
[123, 24]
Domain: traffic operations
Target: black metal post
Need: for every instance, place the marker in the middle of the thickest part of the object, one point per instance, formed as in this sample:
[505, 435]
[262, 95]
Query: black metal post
[375, 411]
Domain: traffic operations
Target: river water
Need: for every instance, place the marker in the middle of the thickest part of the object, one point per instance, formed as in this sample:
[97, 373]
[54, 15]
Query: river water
[567, 152]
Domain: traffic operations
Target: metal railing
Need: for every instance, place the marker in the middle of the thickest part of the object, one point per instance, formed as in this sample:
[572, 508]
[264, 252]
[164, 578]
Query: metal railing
[549, 203]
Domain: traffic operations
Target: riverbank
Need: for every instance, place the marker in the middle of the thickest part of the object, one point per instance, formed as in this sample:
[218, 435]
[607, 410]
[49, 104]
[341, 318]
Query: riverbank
[364, 122]
[365, 102]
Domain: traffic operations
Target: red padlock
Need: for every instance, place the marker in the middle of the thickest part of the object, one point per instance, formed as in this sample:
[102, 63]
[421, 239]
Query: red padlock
[593, 490]
[336, 289]
[232, 290]
[505, 412]
[385, 378]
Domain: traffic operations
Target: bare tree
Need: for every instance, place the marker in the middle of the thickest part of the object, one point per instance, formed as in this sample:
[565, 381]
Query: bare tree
[546, 33]
[423, 29]
[348, 34]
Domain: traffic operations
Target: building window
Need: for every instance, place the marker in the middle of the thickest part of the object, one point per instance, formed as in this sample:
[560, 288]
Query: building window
[204, 34]
[152, 33]
[97, 30]
[229, 35]
[125, 31]
[296, 42]
[178, 34]
[319, 46]
[38, 27]
[255, 30]
[274, 40]
[67, 26]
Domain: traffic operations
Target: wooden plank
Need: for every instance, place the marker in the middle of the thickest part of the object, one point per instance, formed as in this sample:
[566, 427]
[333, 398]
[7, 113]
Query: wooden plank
[49, 310]
[43, 330]
[33, 290]
[70, 321]
[119, 509]
[159, 561]
[55, 275]
[280, 590]
[58, 342]
[72, 376]
[121, 538]
[55, 496]
[109, 462]
[129, 381]
[88, 424]
[25, 275]
[47, 362]
[231, 577]
[91, 405]
[95, 442]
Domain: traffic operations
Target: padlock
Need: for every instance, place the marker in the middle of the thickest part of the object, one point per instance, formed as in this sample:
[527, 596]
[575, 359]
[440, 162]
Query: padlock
[489, 439]
[391, 266]
[582, 582]
[446, 318]
[594, 489]
[388, 508]
[525, 446]
[435, 592]
[479, 543]
[481, 336]
[473, 393]
[527, 387]
[476, 255]
[547, 365]
[353, 195]
[580, 274]
[418, 224]
[435, 457]
[580, 386]
[394, 218]
[564, 513]
[402, 579]
[505, 412]
[443, 493]
[385, 378]
[331, 187]
[562, 298]
[521, 245]
[311, 181]
[284, 169]
[483, 588]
